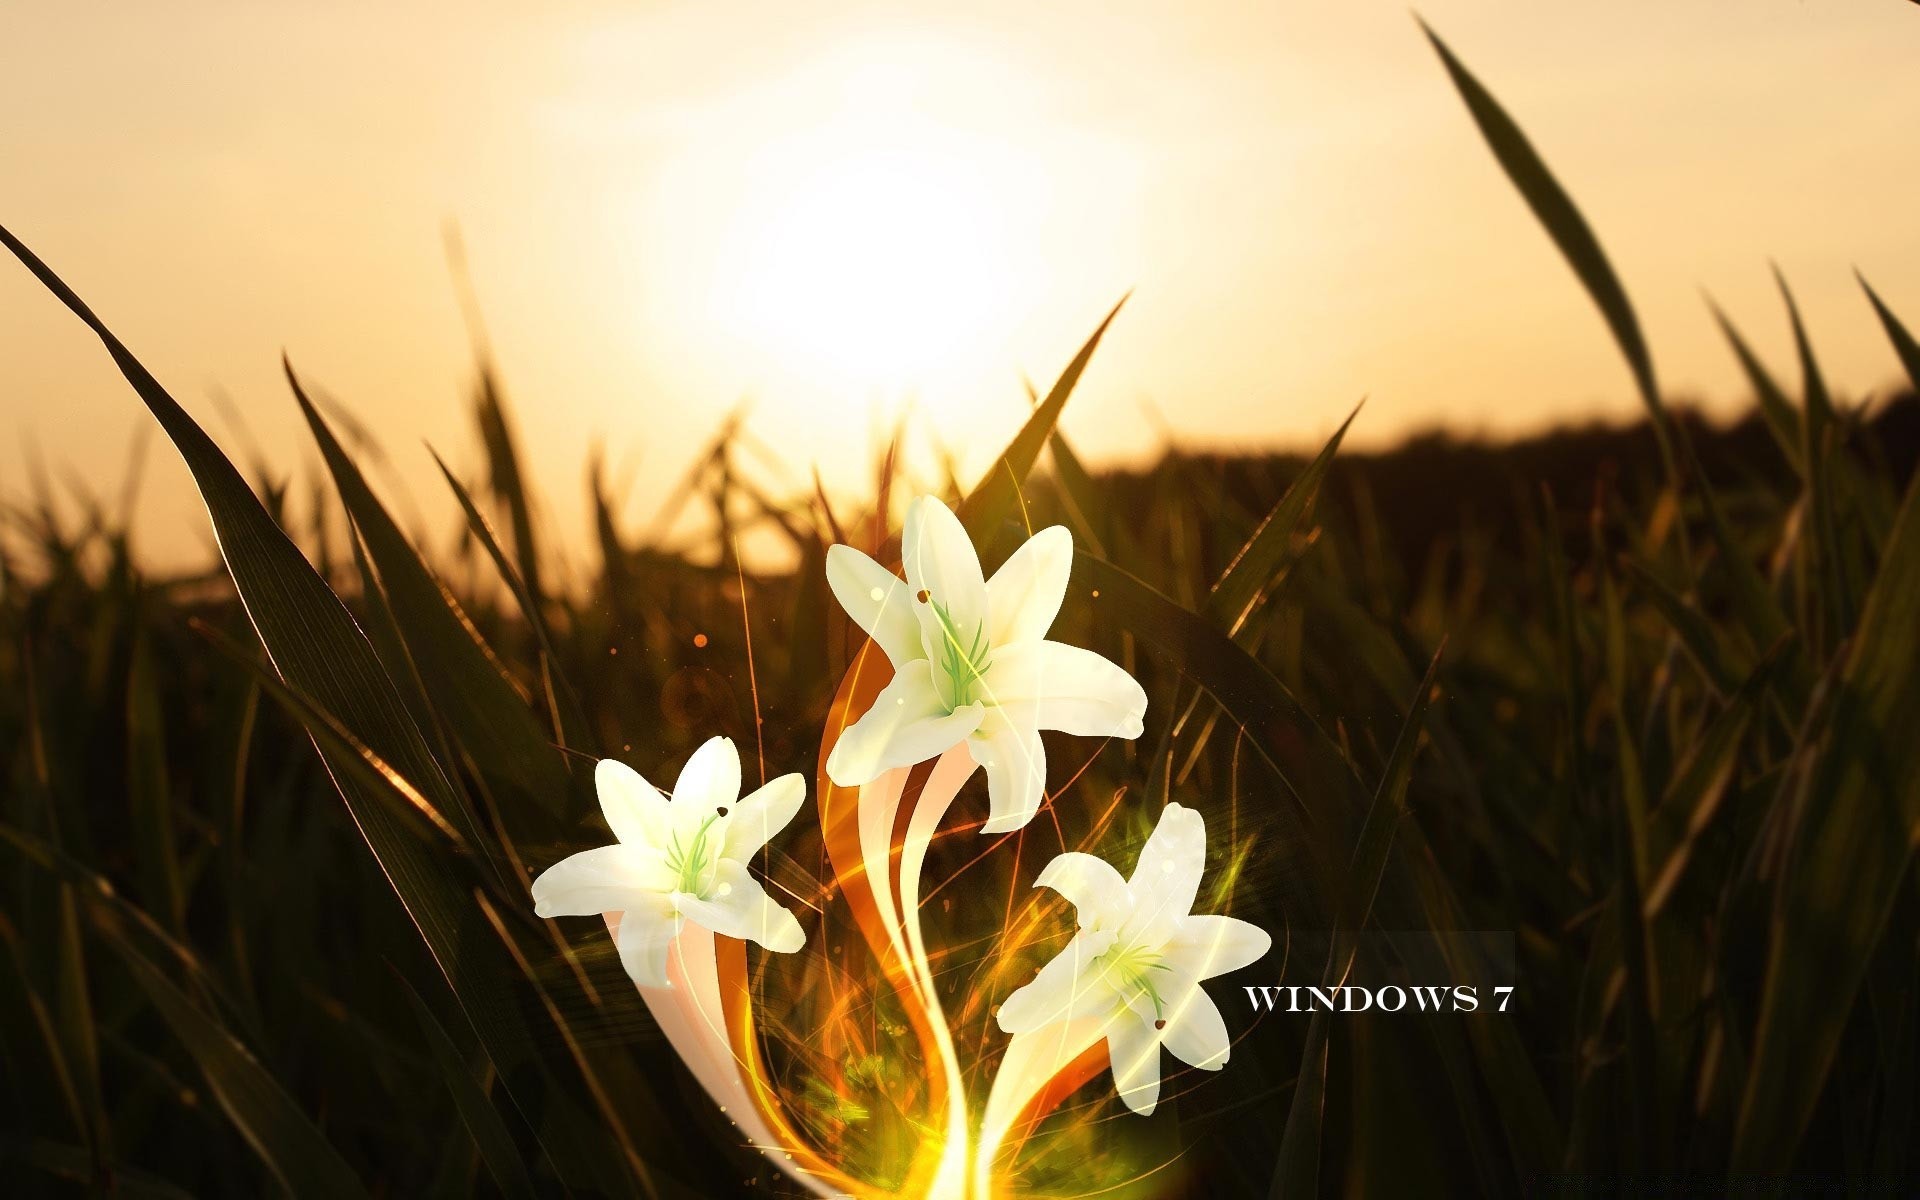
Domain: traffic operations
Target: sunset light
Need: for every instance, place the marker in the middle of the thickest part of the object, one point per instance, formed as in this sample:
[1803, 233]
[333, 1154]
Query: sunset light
[881, 253]
[997, 601]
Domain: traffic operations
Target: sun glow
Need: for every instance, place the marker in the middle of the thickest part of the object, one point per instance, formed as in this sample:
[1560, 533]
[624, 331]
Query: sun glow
[877, 253]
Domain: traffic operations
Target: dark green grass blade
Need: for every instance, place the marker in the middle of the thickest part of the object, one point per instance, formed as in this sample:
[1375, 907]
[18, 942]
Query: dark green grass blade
[1298, 1170]
[570, 718]
[74, 1164]
[319, 650]
[1818, 401]
[1261, 558]
[1311, 767]
[490, 1135]
[1854, 846]
[1384, 815]
[1903, 342]
[998, 492]
[343, 749]
[311, 638]
[1778, 412]
[1695, 631]
[152, 809]
[1563, 222]
[297, 1154]
[509, 483]
[1628, 818]
[1694, 798]
[468, 685]
[1820, 434]
[37, 1058]
[1077, 493]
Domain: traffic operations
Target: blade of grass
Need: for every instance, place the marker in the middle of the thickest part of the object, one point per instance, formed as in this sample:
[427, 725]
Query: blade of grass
[1854, 845]
[295, 1152]
[319, 650]
[998, 492]
[483, 1122]
[485, 712]
[152, 809]
[1311, 766]
[1820, 434]
[1694, 797]
[1265, 554]
[569, 719]
[1569, 230]
[1903, 342]
[1298, 1170]
[508, 483]
[1691, 626]
[1775, 409]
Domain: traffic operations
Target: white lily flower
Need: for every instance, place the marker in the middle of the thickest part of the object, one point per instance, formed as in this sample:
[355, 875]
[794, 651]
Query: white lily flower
[1136, 964]
[971, 662]
[679, 859]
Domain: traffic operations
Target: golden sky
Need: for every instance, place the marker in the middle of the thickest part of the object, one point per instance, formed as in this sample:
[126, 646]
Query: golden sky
[836, 213]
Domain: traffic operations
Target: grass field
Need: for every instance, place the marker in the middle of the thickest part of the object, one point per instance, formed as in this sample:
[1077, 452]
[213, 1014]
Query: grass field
[1660, 778]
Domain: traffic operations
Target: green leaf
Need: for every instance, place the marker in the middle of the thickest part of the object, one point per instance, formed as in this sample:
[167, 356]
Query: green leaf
[152, 810]
[1384, 814]
[321, 653]
[1267, 552]
[486, 716]
[1903, 342]
[297, 1154]
[998, 492]
[49, 1043]
[1309, 764]
[1076, 493]
[483, 1122]
[1693, 799]
[1692, 627]
[1628, 819]
[1853, 846]
[75, 1165]
[1569, 230]
[569, 719]
[342, 749]
[1298, 1170]
[1820, 435]
[509, 483]
[1778, 412]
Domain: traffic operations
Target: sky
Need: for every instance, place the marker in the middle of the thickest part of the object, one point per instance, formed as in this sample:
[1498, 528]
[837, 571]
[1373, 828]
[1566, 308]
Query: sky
[836, 216]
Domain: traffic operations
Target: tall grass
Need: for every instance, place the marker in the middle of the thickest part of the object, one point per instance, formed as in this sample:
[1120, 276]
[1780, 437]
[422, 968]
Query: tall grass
[1633, 733]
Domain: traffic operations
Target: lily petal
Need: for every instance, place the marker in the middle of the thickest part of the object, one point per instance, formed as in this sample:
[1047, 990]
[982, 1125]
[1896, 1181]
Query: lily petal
[1068, 986]
[603, 879]
[1167, 877]
[635, 809]
[877, 600]
[761, 814]
[1196, 1033]
[1209, 945]
[940, 562]
[1051, 685]
[1024, 595]
[907, 724]
[711, 777]
[1090, 884]
[1016, 764]
[1134, 1048]
[646, 934]
[739, 907]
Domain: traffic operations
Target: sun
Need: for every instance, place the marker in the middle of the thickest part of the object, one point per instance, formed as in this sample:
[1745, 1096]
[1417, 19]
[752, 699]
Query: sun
[875, 254]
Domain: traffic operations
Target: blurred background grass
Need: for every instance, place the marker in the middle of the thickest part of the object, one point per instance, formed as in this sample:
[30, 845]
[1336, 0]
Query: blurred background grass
[1666, 749]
